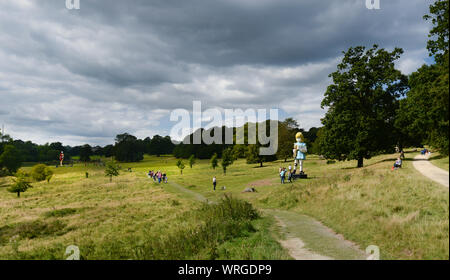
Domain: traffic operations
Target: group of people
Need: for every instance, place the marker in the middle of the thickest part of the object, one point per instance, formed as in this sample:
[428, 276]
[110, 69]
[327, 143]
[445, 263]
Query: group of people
[283, 173]
[158, 176]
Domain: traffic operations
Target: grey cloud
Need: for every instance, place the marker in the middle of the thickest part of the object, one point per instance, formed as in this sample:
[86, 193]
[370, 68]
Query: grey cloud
[116, 66]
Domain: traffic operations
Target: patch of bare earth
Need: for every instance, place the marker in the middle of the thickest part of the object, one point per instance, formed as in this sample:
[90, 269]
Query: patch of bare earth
[261, 183]
[296, 247]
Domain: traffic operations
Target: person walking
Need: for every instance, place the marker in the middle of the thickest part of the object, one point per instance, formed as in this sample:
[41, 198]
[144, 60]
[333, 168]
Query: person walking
[214, 182]
[290, 176]
[282, 175]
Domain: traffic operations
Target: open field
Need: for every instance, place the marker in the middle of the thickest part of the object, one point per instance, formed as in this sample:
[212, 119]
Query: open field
[119, 220]
[440, 161]
[403, 213]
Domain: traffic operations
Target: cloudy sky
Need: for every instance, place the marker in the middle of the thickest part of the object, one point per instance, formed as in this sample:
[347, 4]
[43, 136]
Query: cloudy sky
[83, 76]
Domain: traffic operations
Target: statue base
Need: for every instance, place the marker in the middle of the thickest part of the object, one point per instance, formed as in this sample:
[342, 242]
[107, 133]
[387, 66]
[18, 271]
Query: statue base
[300, 176]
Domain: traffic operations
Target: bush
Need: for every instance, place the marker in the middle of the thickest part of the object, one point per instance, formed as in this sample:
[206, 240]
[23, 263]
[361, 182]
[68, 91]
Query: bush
[20, 185]
[10, 159]
[41, 172]
[112, 169]
[228, 219]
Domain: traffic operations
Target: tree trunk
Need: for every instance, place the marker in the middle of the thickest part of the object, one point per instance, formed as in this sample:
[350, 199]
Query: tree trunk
[110, 179]
[260, 164]
[18, 194]
[360, 162]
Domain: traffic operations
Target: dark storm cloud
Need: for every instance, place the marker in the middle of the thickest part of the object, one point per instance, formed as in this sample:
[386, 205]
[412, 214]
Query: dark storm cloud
[116, 66]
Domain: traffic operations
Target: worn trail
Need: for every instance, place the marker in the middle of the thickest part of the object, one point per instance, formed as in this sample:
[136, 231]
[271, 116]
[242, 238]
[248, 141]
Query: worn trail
[431, 171]
[302, 236]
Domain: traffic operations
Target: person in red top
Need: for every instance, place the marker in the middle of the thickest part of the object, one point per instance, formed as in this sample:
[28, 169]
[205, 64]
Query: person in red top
[61, 158]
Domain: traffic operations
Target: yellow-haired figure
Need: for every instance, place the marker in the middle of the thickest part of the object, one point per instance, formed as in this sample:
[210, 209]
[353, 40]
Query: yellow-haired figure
[300, 151]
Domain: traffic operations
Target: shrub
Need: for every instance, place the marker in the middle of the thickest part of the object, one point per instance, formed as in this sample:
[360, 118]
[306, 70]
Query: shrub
[20, 185]
[41, 172]
[10, 159]
[111, 170]
[228, 219]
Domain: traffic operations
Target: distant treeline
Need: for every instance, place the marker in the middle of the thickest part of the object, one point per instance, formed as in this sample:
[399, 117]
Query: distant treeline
[286, 138]
[127, 148]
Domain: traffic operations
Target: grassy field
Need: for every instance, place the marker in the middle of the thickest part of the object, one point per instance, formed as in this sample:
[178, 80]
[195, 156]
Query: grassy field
[120, 220]
[403, 213]
[440, 161]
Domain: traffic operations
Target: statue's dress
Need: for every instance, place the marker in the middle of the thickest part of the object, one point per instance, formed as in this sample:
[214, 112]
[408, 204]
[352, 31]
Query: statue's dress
[300, 147]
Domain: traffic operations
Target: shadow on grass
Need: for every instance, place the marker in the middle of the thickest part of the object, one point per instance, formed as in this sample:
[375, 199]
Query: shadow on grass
[378, 162]
[436, 157]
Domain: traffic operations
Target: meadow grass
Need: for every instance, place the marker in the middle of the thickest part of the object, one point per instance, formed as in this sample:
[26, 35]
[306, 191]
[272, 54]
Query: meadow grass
[400, 211]
[440, 161]
[123, 219]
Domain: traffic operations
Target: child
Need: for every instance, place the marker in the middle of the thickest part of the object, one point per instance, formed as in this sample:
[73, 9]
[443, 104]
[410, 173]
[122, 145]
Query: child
[398, 163]
[214, 182]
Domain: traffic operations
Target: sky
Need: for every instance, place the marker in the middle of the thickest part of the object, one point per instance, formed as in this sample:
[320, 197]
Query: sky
[85, 75]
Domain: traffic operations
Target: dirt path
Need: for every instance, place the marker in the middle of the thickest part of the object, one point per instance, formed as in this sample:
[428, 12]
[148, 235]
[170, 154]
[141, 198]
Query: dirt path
[304, 237]
[188, 193]
[307, 239]
[431, 171]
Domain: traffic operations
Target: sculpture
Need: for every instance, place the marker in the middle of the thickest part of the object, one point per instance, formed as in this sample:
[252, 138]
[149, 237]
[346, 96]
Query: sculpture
[300, 151]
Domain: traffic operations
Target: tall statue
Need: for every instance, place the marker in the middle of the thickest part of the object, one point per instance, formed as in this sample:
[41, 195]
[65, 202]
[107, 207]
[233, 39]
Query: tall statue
[61, 158]
[300, 151]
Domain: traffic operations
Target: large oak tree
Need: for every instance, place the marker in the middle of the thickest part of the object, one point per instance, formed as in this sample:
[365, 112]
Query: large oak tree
[361, 102]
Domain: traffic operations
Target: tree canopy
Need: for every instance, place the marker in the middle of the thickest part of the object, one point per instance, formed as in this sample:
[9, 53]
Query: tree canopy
[10, 159]
[424, 114]
[362, 103]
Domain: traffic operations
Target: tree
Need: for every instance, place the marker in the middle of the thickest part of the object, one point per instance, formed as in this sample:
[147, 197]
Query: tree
[20, 185]
[41, 172]
[159, 145]
[85, 153]
[436, 79]
[191, 161]
[423, 116]
[239, 151]
[253, 155]
[439, 15]
[315, 146]
[180, 165]
[227, 159]
[10, 159]
[111, 170]
[286, 139]
[214, 161]
[127, 148]
[362, 102]
[108, 150]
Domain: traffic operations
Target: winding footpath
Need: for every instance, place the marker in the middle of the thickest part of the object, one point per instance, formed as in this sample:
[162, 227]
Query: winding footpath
[424, 166]
[303, 237]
